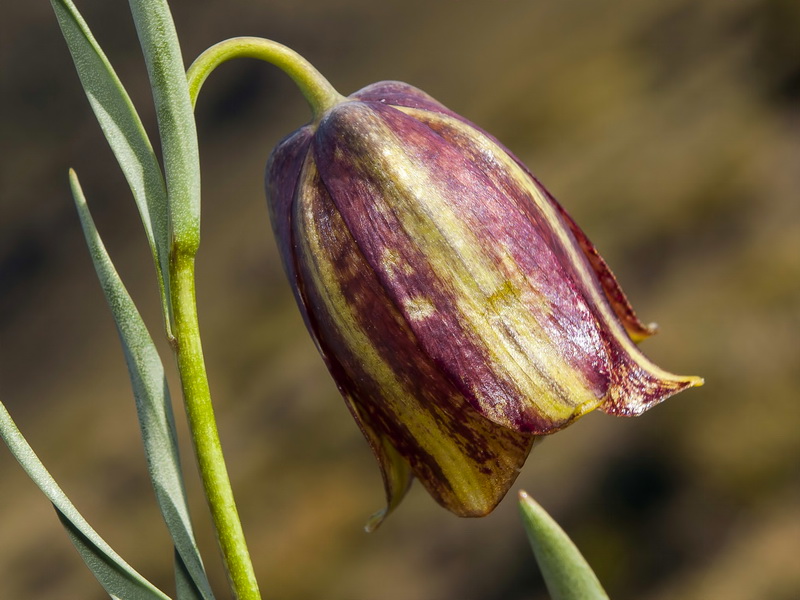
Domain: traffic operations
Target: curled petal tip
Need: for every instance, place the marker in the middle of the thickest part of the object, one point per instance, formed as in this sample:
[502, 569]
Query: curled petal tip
[641, 386]
[375, 521]
[648, 330]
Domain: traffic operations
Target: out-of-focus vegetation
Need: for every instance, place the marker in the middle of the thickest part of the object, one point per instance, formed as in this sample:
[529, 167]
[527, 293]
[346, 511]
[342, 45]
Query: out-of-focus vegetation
[669, 129]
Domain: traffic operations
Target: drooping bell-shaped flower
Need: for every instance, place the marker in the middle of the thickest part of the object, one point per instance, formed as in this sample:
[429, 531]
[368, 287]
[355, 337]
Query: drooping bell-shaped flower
[459, 308]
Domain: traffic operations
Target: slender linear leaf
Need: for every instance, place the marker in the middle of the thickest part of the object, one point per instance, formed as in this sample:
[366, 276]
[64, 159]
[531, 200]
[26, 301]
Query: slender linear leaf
[118, 578]
[153, 404]
[185, 587]
[125, 134]
[567, 574]
[176, 124]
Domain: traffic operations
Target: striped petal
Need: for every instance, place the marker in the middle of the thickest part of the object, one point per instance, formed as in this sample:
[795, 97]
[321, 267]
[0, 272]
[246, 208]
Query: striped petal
[637, 384]
[399, 94]
[402, 401]
[481, 265]
[460, 310]
[282, 174]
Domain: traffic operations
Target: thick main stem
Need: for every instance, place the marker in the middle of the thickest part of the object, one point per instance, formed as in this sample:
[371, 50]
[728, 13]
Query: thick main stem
[321, 96]
[200, 412]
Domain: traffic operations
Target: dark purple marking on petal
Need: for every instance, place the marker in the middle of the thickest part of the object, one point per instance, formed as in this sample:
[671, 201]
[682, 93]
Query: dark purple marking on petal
[397, 93]
[619, 302]
[507, 217]
[346, 148]
[283, 171]
[613, 291]
[632, 389]
[498, 453]
[635, 390]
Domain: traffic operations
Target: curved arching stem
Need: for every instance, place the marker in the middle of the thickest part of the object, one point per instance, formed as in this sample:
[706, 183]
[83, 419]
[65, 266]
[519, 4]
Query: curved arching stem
[319, 93]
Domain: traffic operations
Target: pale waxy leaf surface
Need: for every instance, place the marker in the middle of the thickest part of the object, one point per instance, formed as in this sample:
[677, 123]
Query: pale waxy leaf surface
[118, 578]
[567, 574]
[125, 134]
[153, 405]
[185, 587]
[176, 124]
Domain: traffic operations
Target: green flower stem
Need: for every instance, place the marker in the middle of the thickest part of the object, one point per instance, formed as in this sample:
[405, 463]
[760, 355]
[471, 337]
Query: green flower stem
[321, 96]
[319, 93]
[203, 426]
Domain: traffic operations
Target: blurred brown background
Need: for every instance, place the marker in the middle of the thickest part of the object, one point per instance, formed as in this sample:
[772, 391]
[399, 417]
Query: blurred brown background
[669, 129]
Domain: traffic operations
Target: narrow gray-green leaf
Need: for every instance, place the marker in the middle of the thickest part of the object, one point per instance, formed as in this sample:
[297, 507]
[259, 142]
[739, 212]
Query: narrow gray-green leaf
[567, 574]
[125, 134]
[115, 580]
[153, 404]
[118, 578]
[162, 53]
[185, 587]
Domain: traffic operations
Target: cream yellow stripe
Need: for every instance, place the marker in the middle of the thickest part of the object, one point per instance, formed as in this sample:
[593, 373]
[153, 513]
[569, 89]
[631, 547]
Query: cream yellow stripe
[463, 475]
[493, 302]
[575, 254]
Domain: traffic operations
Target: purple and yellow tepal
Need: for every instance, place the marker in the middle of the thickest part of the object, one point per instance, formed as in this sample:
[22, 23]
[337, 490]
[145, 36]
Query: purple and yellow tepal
[459, 308]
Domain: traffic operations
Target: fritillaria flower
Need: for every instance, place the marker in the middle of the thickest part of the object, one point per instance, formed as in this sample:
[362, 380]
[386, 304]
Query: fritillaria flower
[459, 308]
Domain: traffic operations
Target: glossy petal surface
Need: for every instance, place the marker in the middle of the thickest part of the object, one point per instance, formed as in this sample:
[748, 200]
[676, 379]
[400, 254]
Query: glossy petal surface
[396, 392]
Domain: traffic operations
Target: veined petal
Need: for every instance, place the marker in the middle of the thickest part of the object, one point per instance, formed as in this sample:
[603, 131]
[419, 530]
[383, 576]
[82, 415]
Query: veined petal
[442, 238]
[401, 400]
[395, 470]
[459, 308]
[637, 330]
[399, 94]
[478, 261]
[281, 180]
[637, 384]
